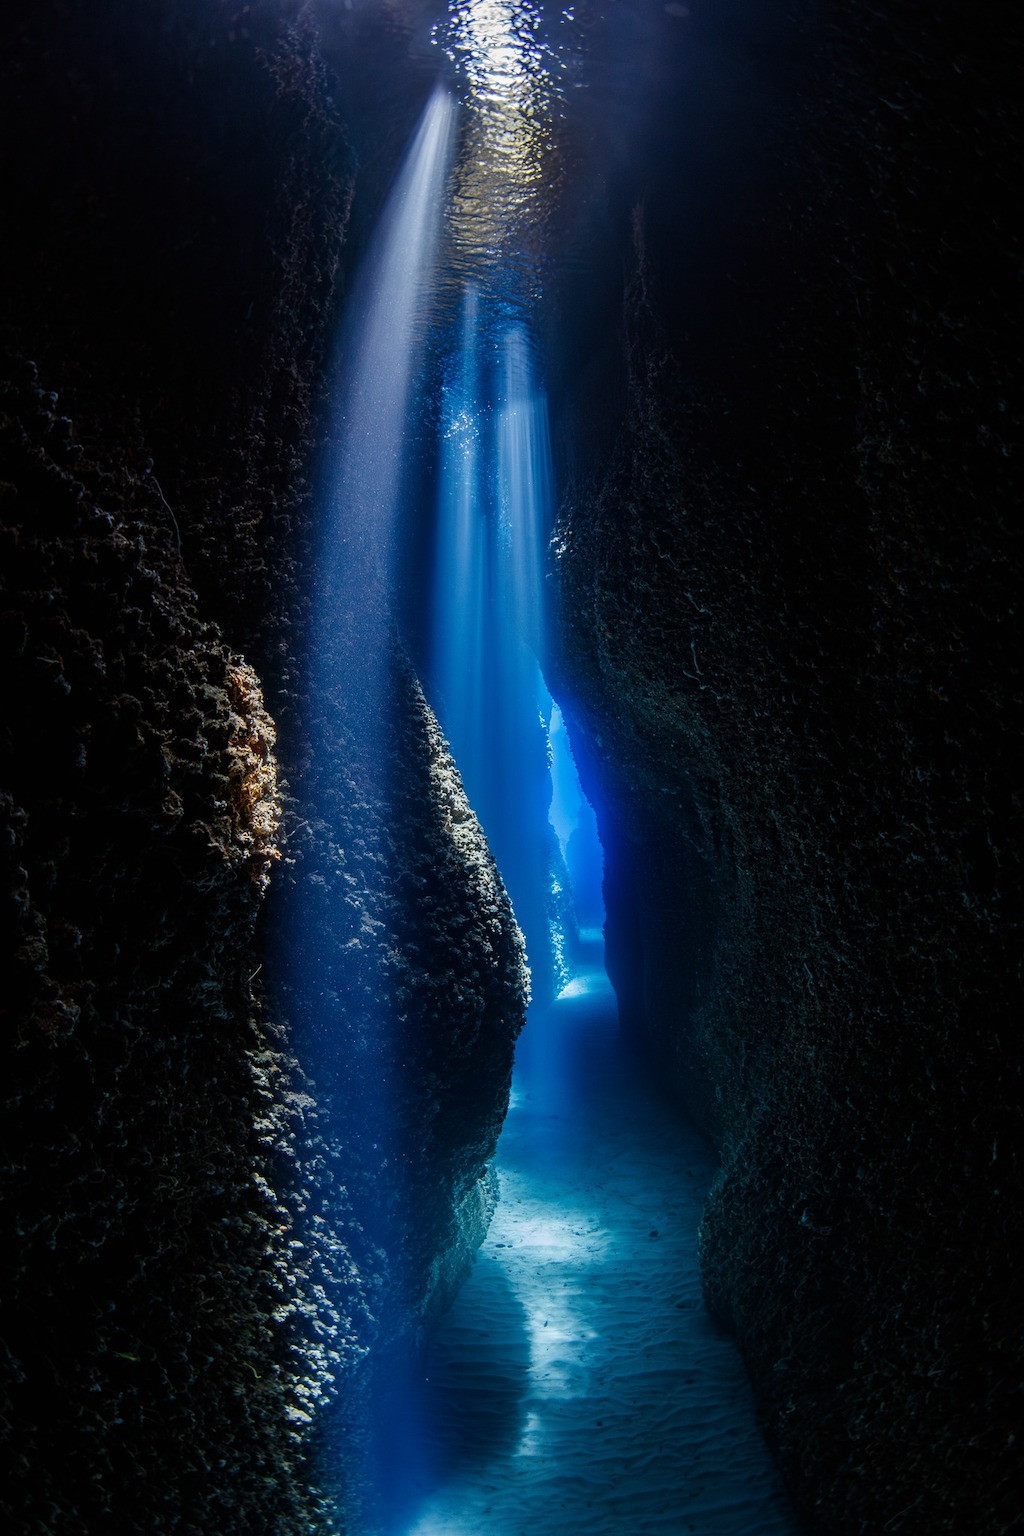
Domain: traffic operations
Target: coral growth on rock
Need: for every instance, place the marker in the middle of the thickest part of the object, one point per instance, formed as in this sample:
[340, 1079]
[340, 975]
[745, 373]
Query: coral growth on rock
[192, 1305]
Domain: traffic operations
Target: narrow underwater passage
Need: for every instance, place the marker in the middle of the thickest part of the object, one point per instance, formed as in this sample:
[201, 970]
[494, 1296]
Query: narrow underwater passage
[578, 1382]
[578, 1385]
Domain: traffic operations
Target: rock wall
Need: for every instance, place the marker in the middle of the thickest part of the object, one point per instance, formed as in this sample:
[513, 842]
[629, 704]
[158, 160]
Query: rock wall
[193, 1300]
[789, 654]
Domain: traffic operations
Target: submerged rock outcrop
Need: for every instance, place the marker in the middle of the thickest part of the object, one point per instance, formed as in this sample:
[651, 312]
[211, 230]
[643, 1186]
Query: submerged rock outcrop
[201, 1263]
[789, 652]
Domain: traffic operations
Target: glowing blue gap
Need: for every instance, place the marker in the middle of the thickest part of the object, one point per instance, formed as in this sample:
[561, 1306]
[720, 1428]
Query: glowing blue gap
[493, 514]
[566, 795]
[575, 824]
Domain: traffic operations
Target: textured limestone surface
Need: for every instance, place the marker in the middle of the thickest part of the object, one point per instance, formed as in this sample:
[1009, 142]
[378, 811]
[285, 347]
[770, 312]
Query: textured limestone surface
[789, 657]
[192, 1299]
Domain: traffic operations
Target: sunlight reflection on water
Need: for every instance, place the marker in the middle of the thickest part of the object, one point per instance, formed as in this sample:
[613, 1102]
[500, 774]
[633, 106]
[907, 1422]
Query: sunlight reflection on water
[513, 64]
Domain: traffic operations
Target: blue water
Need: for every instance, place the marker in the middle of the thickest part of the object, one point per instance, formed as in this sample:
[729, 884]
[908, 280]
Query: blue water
[348, 1202]
[573, 818]
[379, 354]
[493, 518]
[578, 1379]
[578, 1387]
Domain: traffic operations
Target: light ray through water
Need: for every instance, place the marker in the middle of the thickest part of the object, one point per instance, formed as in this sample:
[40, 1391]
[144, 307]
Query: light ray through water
[460, 579]
[344, 1023]
[382, 338]
[493, 517]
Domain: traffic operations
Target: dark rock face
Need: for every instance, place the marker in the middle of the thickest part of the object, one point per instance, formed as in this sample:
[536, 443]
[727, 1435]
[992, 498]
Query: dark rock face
[789, 638]
[193, 1297]
[789, 652]
[141, 809]
[401, 971]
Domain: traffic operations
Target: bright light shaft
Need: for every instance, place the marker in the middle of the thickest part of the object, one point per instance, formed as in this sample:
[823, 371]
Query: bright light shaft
[381, 342]
[524, 462]
[351, 682]
[460, 582]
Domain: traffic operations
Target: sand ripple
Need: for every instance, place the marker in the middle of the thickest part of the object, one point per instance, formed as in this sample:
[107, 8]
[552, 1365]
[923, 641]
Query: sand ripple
[578, 1386]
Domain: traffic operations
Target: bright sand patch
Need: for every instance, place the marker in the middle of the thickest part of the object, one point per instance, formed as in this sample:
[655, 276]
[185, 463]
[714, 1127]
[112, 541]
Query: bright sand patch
[578, 1386]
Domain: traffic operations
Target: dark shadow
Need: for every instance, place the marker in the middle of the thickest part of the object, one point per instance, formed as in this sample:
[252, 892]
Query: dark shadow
[460, 1406]
[477, 1366]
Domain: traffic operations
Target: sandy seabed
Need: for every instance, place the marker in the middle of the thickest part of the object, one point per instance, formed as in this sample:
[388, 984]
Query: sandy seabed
[578, 1385]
